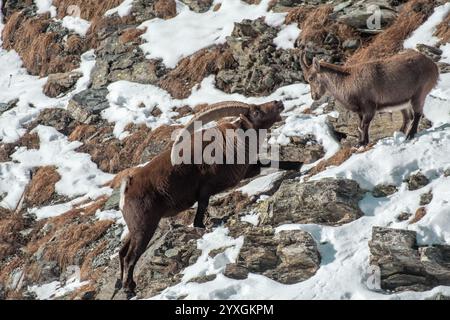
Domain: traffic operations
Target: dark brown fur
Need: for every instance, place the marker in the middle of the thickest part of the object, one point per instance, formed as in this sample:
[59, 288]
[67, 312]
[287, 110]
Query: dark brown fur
[160, 190]
[371, 87]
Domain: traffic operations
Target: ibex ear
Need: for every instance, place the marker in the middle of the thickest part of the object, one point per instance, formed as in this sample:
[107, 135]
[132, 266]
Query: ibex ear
[316, 64]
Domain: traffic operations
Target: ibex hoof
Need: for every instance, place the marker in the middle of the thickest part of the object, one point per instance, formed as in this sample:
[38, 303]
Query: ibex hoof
[130, 294]
[118, 284]
[200, 225]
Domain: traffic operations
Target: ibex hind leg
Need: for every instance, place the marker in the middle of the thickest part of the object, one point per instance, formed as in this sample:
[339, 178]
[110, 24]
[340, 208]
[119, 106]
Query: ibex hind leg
[138, 243]
[417, 106]
[122, 253]
[407, 118]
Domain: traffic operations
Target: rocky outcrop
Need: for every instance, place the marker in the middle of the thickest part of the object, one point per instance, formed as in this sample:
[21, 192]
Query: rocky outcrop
[328, 201]
[406, 266]
[86, 106]
[383, 125]
[172, 249]
[305, 149]
[60, 83]
[260, 67]
[287, 257]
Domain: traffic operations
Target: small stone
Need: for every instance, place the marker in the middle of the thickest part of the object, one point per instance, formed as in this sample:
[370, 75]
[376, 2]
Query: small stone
[426, 198]
[447, 172]
[417, 181]
[381, 191]
[350, 44]
[235, 271]
[404, 216]
[87, 105]
[171, 253]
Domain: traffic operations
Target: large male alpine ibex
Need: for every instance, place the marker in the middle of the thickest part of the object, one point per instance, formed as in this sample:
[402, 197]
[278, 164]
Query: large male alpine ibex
[160, 189]
[400, 82]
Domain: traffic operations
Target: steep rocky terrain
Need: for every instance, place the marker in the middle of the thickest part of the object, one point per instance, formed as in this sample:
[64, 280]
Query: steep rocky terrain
[91, 89]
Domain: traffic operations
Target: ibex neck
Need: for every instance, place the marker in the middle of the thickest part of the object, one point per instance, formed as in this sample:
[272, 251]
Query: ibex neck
[335, 84]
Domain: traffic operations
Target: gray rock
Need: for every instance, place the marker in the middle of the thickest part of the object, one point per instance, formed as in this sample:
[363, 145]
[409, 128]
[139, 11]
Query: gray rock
[8, 106]
[447, 172]
[426, 198]
[287, 257]
[305, 149]
[404, 265]
[381, 191]
[327, 201]
[260, 67]
[417, 181]
[57, 118]
[86, 106]
[198, 5]
[113, 202]
[235, 271]
[383, 125]
[364, 15]
[59, 83]
[404, 216]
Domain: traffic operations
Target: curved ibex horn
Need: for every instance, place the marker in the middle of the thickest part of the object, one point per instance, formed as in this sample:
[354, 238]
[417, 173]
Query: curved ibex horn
[216, 111]
[303, 62]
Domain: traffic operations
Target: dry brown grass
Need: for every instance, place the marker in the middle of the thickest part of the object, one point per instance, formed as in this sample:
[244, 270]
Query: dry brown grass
[443, 30]
[316, 24]
[89, 8]
[131, 35]
[390, 42]
[337, 159]
[75, 44]
[42, 187]
[74, 239]
[420, 213]
[41, 51]
[166, 9]
[191, 70]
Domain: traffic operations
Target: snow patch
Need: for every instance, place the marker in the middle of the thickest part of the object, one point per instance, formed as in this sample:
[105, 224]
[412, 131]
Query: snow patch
[44, 6]
[176, 38]
[287, 36]
[122, 10]
[76, 24]
[424, 34]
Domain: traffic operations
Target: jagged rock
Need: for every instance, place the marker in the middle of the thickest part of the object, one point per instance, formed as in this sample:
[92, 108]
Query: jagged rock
[327, 201]
[406, 266]
[59, 83]
[305, 149]
[404, 216]
[447, 172]
[143, 10]
[235, 271]
[171, 250]
[57, 118]
[287, 257]
[417, 181]
[383, 125]
[86, 106]
[113, 201]
[8, 106]
[426, 198]
[119, 60]
[433, 53]
[198, 5]
[381, 190]
[365, 14]
[260, 67]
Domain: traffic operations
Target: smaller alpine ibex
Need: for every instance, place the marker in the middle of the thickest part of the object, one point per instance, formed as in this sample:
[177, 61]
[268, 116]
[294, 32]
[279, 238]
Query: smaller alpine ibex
[160, 189]
[399, 83]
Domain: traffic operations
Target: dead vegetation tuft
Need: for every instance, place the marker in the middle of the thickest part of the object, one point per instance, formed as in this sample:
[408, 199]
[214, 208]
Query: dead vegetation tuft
[89, 9]
[390, 42]
[191, 70]
[41, 188]
[42, 51]
[443, 30]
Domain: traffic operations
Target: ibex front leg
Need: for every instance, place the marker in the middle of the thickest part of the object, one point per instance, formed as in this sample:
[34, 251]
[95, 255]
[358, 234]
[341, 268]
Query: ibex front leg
[364, 125]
